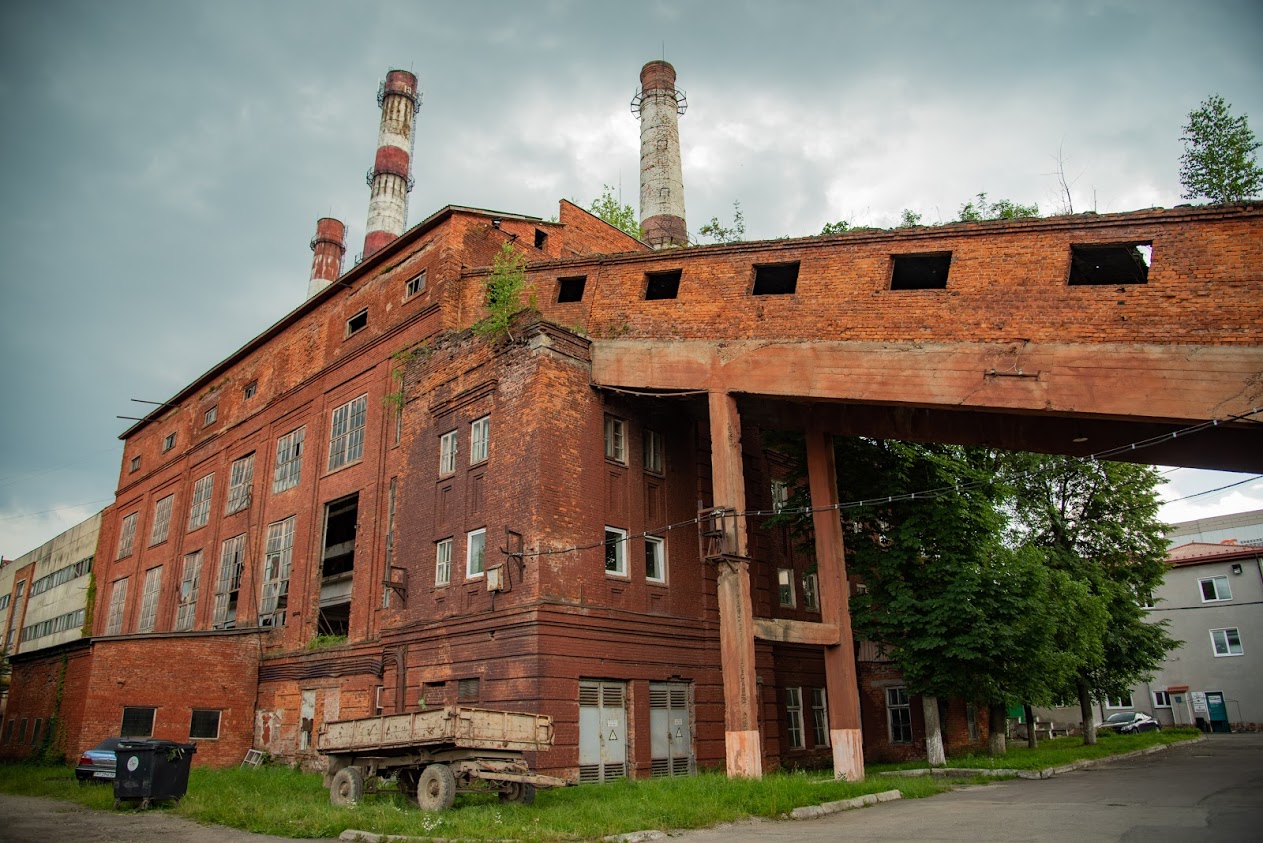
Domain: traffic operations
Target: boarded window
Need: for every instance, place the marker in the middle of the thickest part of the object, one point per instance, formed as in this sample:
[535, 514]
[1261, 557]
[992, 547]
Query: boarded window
[469, 690]
[779, 279]
[1107, 265]
[920, 272]
[662, 285]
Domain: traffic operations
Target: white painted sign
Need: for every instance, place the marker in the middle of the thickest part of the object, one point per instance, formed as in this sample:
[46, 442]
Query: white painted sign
[1199, 703]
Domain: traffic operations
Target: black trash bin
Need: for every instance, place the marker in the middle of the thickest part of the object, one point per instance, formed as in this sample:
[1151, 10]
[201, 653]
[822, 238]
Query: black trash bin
[151, 770]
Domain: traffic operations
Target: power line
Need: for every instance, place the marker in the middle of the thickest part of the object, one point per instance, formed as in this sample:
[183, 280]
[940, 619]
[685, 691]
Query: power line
[58, 509]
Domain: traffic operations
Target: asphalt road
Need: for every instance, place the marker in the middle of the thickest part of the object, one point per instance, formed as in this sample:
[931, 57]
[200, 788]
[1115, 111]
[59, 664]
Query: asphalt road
[1209, 791]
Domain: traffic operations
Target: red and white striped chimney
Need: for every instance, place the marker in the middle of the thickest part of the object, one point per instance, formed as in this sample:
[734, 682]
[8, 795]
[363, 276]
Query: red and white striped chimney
[659, 105]
[329, 245]
[391, 176]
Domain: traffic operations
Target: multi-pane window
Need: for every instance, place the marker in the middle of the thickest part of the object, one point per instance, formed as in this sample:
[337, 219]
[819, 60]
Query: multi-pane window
[168, 442]
[819, 717]
[149, 599]
[161, 520]
[653, 451]
[137, 722]
[443, 562]
[127, 535]
[190, 580]
[616, 551]
[1215, 589]
[479, 436]
[240, 481]
[780, 495]
[204, 724]
[208, 418]
[289, 460]
[346, 439]
[276, 568]
[785, 587]
[118, 599]
[232, 560]
[811, 592]
[415, 285]
[1161, 699]
[794, 715]
[1226, 642]
[655, 559]
[898, 715]
[1118, 702]
[475, 554]
[135, 465]
[615, 439]
[251, 389]
[447, 452]
[199, 510]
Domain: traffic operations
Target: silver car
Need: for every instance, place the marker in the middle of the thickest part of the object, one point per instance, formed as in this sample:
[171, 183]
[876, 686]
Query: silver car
[97, 764]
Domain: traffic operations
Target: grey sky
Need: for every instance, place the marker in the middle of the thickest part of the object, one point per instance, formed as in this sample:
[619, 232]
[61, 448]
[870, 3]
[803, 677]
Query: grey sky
[163, 163]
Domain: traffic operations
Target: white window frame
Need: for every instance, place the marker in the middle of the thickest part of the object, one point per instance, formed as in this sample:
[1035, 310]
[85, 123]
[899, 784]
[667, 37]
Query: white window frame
[900, 703]
[346, 432]
[616, 540]
[1161, 699]
[288, 468]
[654, 461]
[277, 561]
[118, 600]
[209, 417]
[655, 559]
[1122, 703]
[449, 447]
[443, 562]
[219, 719]
[795, 735]
[820, 716]
[232, 556]
[199, 508]
[1214, 642]
[240, 482]
[149, 600]
[168, 442]
[161, 520]
[414, 286]
[616, 440]
[785, 580]
[479, 439]
[127, 536]
[1215, 583]
[190, 583]
[811, 592]
[475, 561]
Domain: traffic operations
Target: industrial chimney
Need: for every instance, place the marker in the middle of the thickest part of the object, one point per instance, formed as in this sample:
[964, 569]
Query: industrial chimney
[391, 176]
[659, 105]
[329, 245]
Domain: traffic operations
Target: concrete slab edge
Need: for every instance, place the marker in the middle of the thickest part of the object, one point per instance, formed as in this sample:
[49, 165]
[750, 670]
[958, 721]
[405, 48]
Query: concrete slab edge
[353, 835]
[824, 809]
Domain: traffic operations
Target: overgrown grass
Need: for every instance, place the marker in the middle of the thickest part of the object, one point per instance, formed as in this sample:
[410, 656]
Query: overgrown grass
[1053, 753]
[284, 802]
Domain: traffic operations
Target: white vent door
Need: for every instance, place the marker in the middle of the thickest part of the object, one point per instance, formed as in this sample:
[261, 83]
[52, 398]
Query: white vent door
[670, 729]
[602, 731]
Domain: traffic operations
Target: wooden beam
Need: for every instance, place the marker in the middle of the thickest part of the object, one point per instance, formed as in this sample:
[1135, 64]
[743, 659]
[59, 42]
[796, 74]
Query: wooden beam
[795, 632]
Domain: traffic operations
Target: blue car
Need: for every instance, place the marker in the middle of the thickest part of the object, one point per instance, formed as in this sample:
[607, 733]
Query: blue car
[97, 764]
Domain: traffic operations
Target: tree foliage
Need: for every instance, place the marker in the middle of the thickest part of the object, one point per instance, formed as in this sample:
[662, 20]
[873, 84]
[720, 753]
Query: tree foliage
[720, 233]
[615, 213]
[1218, 160]
[979, 209]
[839, 227]
[504, 289]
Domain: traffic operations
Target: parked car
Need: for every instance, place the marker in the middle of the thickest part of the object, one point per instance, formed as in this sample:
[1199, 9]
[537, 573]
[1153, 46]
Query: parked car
[97, 764]
[1126, 722]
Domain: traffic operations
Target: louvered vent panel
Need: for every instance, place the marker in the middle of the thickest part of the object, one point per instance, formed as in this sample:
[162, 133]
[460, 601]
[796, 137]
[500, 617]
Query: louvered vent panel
[660, 767]
[611, 696]
[615, 771]
[589, 773]
[658, 696]
[589, 694]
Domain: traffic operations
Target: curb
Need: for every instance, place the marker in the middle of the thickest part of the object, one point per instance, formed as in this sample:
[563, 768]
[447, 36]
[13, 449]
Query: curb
[353, 835]
[808, 812]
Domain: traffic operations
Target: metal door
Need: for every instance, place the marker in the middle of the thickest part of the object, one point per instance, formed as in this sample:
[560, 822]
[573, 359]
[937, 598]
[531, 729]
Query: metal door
[670, 729]
[1218, 711]
[602, 731]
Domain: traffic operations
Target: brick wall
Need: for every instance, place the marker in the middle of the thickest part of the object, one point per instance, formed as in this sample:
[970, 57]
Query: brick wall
[34, 687]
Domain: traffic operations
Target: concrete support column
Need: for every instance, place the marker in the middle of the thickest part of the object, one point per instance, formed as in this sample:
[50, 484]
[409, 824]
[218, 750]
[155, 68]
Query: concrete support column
[743, 744]
[845, 731]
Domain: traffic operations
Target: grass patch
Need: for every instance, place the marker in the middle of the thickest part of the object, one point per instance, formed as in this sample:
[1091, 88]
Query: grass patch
[288, 803]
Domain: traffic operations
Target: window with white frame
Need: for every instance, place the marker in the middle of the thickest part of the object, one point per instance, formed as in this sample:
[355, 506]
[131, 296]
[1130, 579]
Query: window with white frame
[190, 580]
[168, 442]
[615, 439]
[442, 562]
[127, 536]
[479, 437]
[208, 418]
[785, 587]
[415, 285]
[780, 495]
[346, 435]
[616, 551]
[1215, 589]
[118, 599]
[204, 724]
[240, 481]
[653, 451]
[1226, 642]
[161, 520]
[289, 460]
[199, 509]
[232, 560]
[655, 559]
[1119, 702]
[447, 452]
[820, 716]
[1161, 699]
[475, 553]
[794, 716]
[149, 599]
[274, 597]
[811, 592]
[898, 715]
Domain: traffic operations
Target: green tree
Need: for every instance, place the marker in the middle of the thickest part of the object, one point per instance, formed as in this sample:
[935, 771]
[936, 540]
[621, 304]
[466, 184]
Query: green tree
[616, 214]
[839, 227]
[979, 209]
[909, 219]
[504, 289]
[720, 233]
[1219, 161]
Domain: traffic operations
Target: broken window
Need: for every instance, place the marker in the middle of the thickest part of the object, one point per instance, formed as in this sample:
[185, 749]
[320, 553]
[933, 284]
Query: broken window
[811, 592]
[357, 323]
[337, 565]
[240, 481]
[898, 715]
[276, 567]
[199, 510]
[779, 279]
[920, 272]
[346, 440]
[541, 238]
[127, 536]
[232, 561]
[662, 285]
[289, 460]
[571, 289]
[1114, 263]
[820, 716]
[190, 579]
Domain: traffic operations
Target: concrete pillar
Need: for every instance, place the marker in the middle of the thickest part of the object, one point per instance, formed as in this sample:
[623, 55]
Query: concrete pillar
[742, 742]
[660, 105]
[845, 731]
[391, 176]
[328, 246]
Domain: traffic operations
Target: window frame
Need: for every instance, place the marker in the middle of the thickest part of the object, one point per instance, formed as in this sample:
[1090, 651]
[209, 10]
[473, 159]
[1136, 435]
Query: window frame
[346, 445]
[449, 452]
[1157, 699]
[615, 439]
[820, 716]
[1214, 648]
[151, 590]
[443, 562]
[785, 579]
[122, 726]
[210, 416]
[168, 442]
[795, 728]
[1123, 703]
[186, 596]
[412, 288]
[287, 468]
[657, 561]
[905, 719]
[619, 545]
[479, 440]
[240, 484]
[278, 560]
[481, 535]
[351, 329]
[127, 536]
[160, 530]
[199, 506]
[193, 721]
[811, 591]
[1215, 582]
[654, 459]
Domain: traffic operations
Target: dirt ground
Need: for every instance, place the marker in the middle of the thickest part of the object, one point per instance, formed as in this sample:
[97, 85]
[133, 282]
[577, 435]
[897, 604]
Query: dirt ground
[29, 819]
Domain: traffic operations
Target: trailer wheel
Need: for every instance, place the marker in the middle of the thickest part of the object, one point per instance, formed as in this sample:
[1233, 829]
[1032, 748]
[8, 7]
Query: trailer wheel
[347, 787]
[436, 791]
[518, 792]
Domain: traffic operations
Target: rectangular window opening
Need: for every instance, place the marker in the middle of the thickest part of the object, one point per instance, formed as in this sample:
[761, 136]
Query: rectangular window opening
[898, 715]
[655, 559]
[1215, 589]
[475, 554]
[277, 560]
[780, 279]
[190, 580]
[785, 587]
[199, 509]
[337, 565]
[168, 442]
[469, 690]
[251, 389]
[541, 238]
[920, 272]
[1161, 699]
[1110, 264]
[479, 438]
[1226, 642]
[662, 285]
[289, 460]
[208, 418]
[135, 465]
[820, 716]
[794, 713]
[137, 722]
[240, 483]
[416, 284]
[232, 562]
[204, 724]
[357, 323]
[653, 451]
[346, 436]
[571, 289]
[615, 439]
[442, 563]
[616, 551]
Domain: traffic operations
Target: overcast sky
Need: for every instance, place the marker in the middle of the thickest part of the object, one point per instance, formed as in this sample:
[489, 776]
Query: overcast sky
[163, 163]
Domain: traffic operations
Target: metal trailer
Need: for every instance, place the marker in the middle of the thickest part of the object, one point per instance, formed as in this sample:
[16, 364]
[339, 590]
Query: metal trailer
[433, 755]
